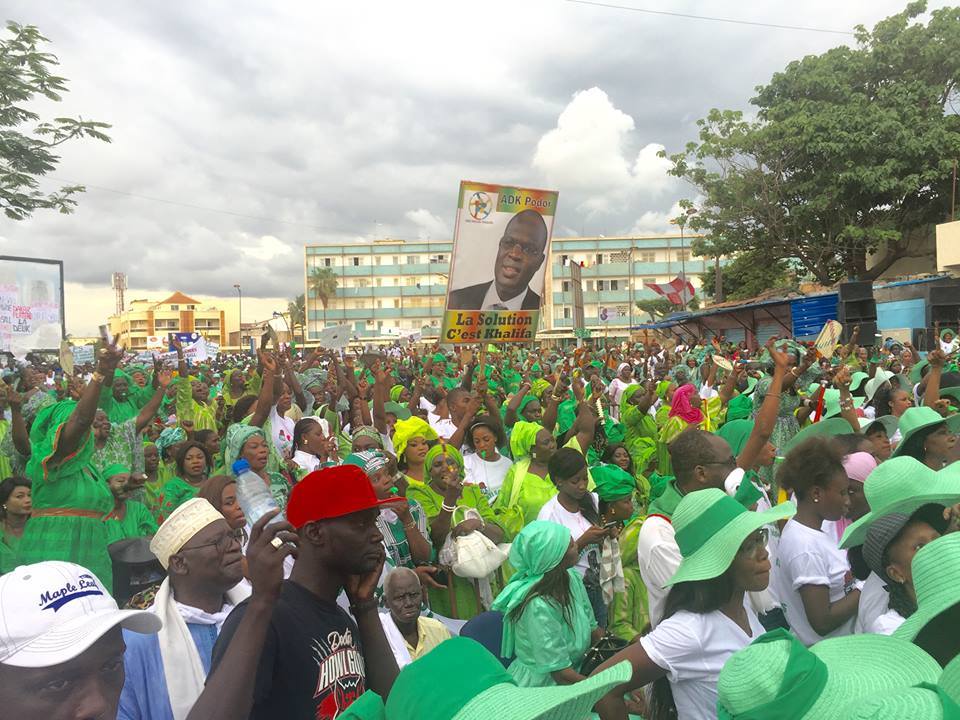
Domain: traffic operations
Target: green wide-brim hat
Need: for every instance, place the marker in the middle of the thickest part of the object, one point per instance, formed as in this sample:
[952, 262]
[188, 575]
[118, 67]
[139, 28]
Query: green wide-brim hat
[825, 428]
[924, 702]
[751, 384]
[710, 526]
[841, 669]
[916, 419]
[402, 412]
[936, 580]
[951, 392]
[950, 679]
[889, 423]
[916, 372]
[857, 379]
[902, 485]
[831, 403]
[461, 680]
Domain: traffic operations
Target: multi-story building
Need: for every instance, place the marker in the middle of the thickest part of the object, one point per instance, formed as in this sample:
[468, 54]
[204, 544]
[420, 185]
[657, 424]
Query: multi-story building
[393, 287]
[145, 319]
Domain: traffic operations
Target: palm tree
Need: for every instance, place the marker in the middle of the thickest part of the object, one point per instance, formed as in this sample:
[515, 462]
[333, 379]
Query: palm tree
[297, 312]
[323, 283]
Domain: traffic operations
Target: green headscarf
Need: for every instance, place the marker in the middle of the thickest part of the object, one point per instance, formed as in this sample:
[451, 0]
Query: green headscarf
[237, 435]
[945, 331]
[367, 431]
[613, 482]
[662, 388]
[311, 378]
[736, 432]
[395, 393]
[739, 408]
[115, 469]
[628, 392]
[404, 430]
[535, 551]
[35, 403]
[443, 449]
[523, 437]
[169, 437]
[370, 461]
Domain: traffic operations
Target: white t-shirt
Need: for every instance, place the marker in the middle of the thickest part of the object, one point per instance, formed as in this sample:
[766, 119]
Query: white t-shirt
[887, 623]
[809, 557]
[658, 557]
[874, 602]
[489, 475]
[615, 391]
[445, 427]
[693, 648]
[553, 511]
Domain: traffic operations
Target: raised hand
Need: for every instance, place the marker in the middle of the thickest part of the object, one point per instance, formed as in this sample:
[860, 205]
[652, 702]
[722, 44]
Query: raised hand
[264, 559]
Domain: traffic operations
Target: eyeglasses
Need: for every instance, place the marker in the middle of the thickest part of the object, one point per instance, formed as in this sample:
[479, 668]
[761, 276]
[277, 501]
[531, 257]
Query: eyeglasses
[753, 543]
[729, 462]
[222, 543]
[529, 249]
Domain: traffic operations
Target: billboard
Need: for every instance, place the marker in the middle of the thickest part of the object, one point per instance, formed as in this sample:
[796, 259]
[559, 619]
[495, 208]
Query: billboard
[31, 304]
[501, 243]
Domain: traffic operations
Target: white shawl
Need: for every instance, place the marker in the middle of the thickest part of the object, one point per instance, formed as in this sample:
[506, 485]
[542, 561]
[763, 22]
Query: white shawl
[395, 638]
[181, 661]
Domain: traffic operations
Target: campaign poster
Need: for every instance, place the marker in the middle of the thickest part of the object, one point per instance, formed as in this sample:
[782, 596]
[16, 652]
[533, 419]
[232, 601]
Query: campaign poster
[501, 247]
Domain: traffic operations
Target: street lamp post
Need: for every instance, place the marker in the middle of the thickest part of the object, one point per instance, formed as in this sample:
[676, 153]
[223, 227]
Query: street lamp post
[239, 316]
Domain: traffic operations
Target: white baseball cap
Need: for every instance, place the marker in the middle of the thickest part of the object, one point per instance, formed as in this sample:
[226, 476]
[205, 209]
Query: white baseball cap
[51, 612]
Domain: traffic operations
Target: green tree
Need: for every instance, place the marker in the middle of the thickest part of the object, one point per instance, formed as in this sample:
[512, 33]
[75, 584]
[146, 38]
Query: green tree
[25, 75]
[850, 154]
[749, 274]
[297, 311]
[323, 284]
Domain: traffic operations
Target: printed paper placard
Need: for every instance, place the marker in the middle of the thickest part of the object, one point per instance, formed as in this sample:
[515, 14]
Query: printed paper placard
[501, 246]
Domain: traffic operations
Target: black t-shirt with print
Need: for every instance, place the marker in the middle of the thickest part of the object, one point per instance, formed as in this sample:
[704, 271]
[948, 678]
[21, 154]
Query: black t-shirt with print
[312, 663]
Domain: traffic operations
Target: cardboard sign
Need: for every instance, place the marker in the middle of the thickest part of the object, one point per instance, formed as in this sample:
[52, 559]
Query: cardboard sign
[828, 338]
[501, 245]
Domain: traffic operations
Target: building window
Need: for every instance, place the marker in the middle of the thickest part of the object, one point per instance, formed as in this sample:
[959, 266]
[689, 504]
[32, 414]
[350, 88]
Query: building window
[614, 284]
[599, 258]
[379, 304]
[683, 255]
[589, 285]
[362, 282]
[566, 286]
[411, 281]
[174, 307]
[326, 262]
[356, 261]
[564, 259]
[396, 302]
[648, 257]
[376, 260]
[191, 307]
[566, 312]
[441, 258]
[396, 259]
[413, 259]
[601, 285]
[651, 281]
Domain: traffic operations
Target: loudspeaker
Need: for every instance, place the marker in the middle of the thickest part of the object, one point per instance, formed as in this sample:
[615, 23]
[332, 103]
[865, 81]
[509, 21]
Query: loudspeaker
[943, 306]
[853, 291]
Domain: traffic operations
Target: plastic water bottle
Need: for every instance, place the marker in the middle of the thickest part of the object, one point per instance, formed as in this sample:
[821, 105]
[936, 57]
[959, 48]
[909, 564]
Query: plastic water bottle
[253, 494]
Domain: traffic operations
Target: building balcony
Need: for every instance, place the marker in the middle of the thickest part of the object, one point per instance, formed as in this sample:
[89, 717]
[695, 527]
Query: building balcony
[398, 270]
[340, 315]
[621, 270]
[391, 291]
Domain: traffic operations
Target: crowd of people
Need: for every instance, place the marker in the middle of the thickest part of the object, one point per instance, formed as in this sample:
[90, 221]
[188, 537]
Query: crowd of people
[650, 529]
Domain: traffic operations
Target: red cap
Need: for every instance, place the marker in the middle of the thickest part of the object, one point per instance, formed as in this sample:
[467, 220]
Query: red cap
[331, 492]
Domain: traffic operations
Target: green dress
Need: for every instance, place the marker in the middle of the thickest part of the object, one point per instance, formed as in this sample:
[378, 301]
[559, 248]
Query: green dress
[6, 469]
[516, 507]
[174, 494]
[8, 552]
[547, 641]
[137, 522]
[73, 486]
[628, 614]
[464, 594]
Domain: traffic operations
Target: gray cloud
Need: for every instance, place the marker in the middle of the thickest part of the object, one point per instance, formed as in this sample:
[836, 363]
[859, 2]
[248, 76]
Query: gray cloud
[355, 119]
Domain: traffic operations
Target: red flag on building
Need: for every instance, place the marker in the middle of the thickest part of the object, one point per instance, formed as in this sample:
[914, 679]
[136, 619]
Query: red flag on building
[679, 291]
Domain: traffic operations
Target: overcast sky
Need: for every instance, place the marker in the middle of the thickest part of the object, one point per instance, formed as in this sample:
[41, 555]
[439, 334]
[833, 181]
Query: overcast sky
[279, 124]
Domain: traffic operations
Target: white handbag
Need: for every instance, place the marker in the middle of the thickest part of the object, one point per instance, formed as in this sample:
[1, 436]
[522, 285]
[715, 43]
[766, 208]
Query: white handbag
[473, 555]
